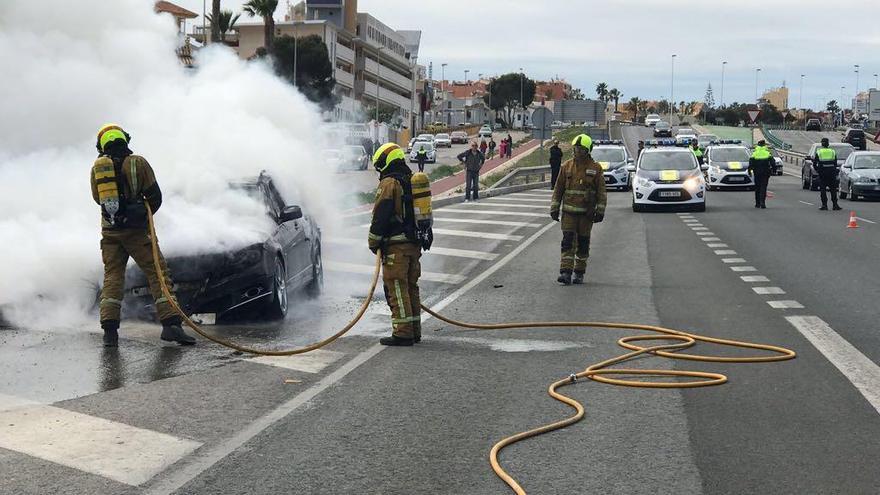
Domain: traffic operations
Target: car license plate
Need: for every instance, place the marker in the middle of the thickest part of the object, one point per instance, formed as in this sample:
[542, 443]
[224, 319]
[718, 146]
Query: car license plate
[670, 194]
[736, 179]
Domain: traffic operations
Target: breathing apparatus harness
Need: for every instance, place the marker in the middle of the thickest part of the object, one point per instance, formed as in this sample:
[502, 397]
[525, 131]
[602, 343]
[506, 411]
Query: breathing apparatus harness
[390, 161]
[118, 209]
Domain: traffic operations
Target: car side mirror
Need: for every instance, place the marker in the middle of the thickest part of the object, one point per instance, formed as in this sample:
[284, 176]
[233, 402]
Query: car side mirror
[291, 213]
[704, 168]
[630, 167]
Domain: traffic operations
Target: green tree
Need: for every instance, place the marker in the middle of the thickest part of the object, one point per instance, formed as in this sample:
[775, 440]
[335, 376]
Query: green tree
[215, 14]
[225, 23]
[614, 94]
[387, 113]
[314, 72]
[771, 115]
[602, 91]
[506, 93]
[832, 106]
[576, 94]
[634, 103]
[266, 10]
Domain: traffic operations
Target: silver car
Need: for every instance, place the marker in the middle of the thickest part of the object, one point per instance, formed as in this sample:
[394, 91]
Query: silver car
[613, 158]
[860, 176]
[442, 139]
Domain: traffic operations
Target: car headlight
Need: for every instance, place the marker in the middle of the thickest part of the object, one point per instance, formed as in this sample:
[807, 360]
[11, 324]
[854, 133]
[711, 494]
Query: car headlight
[864, 180]
[620, 171]
[245, 258]
[693, 184]
[644, 182]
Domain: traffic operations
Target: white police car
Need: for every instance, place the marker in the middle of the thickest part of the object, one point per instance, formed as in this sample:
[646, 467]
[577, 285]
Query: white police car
[728, 163]
[429, 150]
[667, 176]
[613, 158]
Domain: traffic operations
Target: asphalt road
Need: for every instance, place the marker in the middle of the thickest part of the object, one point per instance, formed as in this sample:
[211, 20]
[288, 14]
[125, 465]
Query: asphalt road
[801, 141]
[359, 418]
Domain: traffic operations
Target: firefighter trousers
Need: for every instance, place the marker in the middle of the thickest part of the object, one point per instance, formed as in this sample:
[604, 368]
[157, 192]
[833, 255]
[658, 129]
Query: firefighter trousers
[575, 242]
[401, 270]
[116, 247]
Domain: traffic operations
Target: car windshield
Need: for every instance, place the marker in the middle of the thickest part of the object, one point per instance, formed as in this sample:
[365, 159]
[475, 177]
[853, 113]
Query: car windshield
[441, 136]
[668, 160]
[424, 146]
[843, 150]
[425, 137]
[729, 155]
[707, 138]
[685, 130]
[354, 150]
[867, 161]
[653, 116]
[608, 155]
[662, 125]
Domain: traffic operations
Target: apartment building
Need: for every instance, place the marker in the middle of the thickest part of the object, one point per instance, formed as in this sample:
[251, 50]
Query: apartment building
[778, 97]
[371, 61]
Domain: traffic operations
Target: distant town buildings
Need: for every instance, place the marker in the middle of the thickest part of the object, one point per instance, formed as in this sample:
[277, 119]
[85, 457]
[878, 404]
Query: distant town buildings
[778, 97]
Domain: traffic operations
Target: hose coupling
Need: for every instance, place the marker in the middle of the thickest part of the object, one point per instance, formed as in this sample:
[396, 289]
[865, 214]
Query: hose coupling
[572, 378]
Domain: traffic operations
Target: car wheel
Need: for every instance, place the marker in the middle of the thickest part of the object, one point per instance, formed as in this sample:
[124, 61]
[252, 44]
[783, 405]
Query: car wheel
[701, 207]
[852, 196]
[278, 306]
[804, 184]
[316, 286]
[637, 208]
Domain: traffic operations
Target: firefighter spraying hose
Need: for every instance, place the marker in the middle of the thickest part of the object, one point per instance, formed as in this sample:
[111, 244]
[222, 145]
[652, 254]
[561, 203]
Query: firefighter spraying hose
[671, 341]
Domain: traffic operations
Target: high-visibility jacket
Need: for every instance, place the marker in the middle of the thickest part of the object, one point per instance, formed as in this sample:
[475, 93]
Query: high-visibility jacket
[761, 160]
[825, 157]
[393, 214]
[698, 153]
[580, 188]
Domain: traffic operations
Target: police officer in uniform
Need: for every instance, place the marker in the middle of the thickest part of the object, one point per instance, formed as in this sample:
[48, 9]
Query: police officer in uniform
[421, 157]
[579, 193]
[121, 183]
[393, 230]
[555, 161]
[760, 166]
[697, 151]
[825, 164]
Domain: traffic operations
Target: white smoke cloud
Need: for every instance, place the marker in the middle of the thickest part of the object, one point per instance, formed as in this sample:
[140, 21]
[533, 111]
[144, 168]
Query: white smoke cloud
[68, 68]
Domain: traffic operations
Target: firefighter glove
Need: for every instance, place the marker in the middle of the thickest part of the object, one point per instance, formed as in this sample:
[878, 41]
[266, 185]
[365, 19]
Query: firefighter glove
[554, 215]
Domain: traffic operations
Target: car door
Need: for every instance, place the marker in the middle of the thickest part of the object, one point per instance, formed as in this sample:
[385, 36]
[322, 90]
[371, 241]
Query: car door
[292, 238]
[843, 177]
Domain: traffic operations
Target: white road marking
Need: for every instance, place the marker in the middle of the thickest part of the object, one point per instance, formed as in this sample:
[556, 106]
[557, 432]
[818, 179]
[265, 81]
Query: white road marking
[474, 204]
[99, 446]
[495, 212]
[310, 362]
[461, 253]
[525, 200]
[785, 304]
[864, 220]
[530, 195]
[717, 245]
[768, 290]
[486, 222]
[722, 252]
[691, 220]
[194, 466]
[480, 235]
[341, 266]
[699, 228]
[710, 239]
[754, 278]
[804, 202]
[705, 233]
[743, 268]
[855, 366]
[733, 260]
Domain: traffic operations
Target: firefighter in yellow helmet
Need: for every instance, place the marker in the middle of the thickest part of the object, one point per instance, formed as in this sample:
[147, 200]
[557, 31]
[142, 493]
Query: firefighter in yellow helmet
[122, 183]
[396, 231]
[579, 194]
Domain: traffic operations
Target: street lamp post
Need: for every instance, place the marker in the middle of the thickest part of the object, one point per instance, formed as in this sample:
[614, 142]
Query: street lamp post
[412, 96]
[294, 53]
[672, 89]
[724, 63]
[757, 73]
[466, 80]
[443, 90]
[522, 105]
[856, 97]
[801, 93]
[840, 105]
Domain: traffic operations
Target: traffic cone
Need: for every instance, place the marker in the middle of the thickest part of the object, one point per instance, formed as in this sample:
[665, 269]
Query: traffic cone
[770, 194]
[852, 221]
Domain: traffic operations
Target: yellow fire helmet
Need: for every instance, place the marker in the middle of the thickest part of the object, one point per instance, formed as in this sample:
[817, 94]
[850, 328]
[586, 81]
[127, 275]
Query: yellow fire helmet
[583, 140]
[386, 154]
[109, 133]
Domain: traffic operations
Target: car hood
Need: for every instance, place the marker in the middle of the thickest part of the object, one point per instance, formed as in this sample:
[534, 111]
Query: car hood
[609, 166]
[735, 165]
[873, 173]
[668, 176]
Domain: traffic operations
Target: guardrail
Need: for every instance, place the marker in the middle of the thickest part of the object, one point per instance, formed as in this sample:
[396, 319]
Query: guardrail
[774, 139]
[523, 176]
[789, 156]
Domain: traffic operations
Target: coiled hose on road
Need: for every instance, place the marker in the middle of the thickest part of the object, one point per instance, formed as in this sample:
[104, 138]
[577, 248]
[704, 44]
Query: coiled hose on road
[599, 372]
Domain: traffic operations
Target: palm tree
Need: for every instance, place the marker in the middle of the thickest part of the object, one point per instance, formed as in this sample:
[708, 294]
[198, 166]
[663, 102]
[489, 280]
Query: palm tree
[634, 103]
[264, 9]
[215, 14]
[225, 23]
[602, 91]
[615, 95]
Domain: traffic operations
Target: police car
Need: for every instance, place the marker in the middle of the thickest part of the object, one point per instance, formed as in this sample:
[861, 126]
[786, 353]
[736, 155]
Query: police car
[667, 176]
[728, 163]
[613, 158]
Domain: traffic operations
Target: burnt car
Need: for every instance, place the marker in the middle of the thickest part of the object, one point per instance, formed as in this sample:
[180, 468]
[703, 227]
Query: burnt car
[255, 281]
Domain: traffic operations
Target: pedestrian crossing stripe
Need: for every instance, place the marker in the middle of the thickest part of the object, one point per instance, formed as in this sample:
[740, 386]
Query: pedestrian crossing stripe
[492, 212]
[310, 362]
[341, 266]
[481, 221]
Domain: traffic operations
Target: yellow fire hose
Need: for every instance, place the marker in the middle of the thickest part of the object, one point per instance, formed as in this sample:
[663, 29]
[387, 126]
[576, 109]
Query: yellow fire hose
[597, 372]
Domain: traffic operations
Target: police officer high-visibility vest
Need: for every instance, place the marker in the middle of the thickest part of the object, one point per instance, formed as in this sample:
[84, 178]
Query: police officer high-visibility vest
[422, 154]
[762, 153]
[826, 157]
[698, 153]
[761, 160]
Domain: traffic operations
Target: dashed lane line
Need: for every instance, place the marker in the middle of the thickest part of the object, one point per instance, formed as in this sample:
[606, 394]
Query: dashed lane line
[310, 362]
[480, 235]
[710, 239]
[768, 290]
[785, 304]
[743, 268]
[733, 260]
[724, 252]
[865, 220]
[863, 373]
[754, 278]
[495, 212]
[526, 200]
[435, 250]
[705, 233]
[717, 245]
[474, 204]
[806, 203]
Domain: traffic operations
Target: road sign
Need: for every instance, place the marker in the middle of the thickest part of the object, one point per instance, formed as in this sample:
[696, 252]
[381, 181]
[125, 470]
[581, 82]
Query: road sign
[753, 114]
[542, 117]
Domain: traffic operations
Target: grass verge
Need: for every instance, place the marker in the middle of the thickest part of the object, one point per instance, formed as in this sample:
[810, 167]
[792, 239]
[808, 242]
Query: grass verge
[535, 158]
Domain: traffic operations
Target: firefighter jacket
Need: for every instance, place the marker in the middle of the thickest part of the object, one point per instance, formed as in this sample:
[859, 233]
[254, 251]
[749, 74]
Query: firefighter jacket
[393, 215]
[580, 188]
[137, 183]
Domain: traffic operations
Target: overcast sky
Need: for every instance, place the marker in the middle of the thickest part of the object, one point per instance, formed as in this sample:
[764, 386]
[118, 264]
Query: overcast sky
[628, 43]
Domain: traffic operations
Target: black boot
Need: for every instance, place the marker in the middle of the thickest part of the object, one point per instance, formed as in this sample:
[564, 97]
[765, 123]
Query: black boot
[836, 207]
[111, 333]
[823, 208]
[578, 278]
[396, 341]
[175, 333]
[564, 278]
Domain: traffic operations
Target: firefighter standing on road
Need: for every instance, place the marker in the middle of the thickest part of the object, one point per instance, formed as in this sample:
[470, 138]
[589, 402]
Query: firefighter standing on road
[825, 163]
[121, 183]
[760, 164]
[579, 193]
[394, 231]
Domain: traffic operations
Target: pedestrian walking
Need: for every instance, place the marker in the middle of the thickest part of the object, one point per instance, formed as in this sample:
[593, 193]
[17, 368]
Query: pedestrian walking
[483, 147]
[509, 146]
[123, 184]
[502, 148]
[580, 195]
[473, 161]
[825, 164]
[421, 157]
[555, 161]
[491, 148]
[760, 166]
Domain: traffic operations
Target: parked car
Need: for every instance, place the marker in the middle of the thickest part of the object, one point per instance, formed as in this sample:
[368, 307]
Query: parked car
[428, 147]
[459, 137]
[425, 137]
[813, 125]
[704, 140]
[442, 140]
[860, 176]
[855, 137]
[333, 159]
[255, 280]
[485, 131]
[662, 129]
[652, 119]
[777, 166]
[809, 177]
[355, 157]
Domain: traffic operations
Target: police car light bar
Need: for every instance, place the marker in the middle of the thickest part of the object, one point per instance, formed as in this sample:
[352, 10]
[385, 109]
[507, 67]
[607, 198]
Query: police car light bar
[660, 142]
[615, 142]
[727, 141]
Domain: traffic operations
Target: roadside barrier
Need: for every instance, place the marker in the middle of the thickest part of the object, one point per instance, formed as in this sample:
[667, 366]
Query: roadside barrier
[599, 372]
